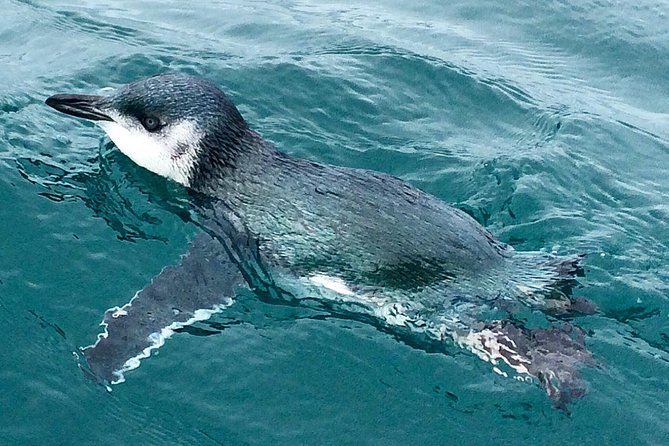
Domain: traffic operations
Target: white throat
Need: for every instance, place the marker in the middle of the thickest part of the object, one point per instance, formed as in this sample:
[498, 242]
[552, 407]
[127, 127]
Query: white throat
[171, 153]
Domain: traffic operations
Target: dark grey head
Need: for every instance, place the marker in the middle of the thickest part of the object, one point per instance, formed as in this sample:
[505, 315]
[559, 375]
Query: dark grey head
[165, 123]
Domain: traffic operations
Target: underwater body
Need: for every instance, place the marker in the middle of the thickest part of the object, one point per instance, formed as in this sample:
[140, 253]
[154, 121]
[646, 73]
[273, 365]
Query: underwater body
[371, 240]
[544, 122]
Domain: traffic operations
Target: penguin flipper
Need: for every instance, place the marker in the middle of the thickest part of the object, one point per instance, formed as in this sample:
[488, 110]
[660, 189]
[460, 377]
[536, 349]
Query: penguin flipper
[552, 355]
[204, 282]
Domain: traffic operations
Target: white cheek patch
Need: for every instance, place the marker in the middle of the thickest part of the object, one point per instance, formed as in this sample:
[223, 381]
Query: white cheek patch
[171, 153]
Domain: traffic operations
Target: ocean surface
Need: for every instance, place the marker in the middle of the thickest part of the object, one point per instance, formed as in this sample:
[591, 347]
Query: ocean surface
[546, 121]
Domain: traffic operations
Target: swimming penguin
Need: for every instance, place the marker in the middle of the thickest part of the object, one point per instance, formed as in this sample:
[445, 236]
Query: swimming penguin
[358, 241]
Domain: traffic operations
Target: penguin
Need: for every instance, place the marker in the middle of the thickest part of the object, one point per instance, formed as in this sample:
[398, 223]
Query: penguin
[293, 230]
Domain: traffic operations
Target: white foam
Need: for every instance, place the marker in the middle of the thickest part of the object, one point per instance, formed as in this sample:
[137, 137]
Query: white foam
[394, 314]
[499, 372]
[119, 312]
[106, 91]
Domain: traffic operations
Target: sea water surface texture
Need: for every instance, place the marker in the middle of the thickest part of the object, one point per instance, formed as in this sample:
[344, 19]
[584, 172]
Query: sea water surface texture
[546, 121]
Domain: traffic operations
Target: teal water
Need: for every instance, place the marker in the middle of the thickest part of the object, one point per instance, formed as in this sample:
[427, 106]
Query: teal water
[547, 122]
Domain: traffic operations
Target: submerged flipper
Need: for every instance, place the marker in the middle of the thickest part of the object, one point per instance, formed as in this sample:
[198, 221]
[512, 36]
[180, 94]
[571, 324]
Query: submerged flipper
[553, 355]
[204, 282]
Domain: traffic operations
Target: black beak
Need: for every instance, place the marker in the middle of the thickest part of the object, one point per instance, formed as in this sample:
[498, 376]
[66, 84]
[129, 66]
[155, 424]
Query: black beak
[79, 105]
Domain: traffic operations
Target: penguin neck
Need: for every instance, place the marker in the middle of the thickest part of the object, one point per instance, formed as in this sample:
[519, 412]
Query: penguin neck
[253, 174]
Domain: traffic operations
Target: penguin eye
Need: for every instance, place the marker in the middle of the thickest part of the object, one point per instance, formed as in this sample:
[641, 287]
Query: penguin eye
[150, 123]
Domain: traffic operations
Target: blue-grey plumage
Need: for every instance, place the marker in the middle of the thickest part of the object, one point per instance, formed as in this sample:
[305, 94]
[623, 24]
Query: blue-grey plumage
[402, 254]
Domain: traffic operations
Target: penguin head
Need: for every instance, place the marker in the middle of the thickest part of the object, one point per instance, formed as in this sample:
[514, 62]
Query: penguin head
[165, 123]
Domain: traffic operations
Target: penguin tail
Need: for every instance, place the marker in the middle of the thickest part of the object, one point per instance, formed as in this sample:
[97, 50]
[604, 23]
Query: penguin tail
[547, 282]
